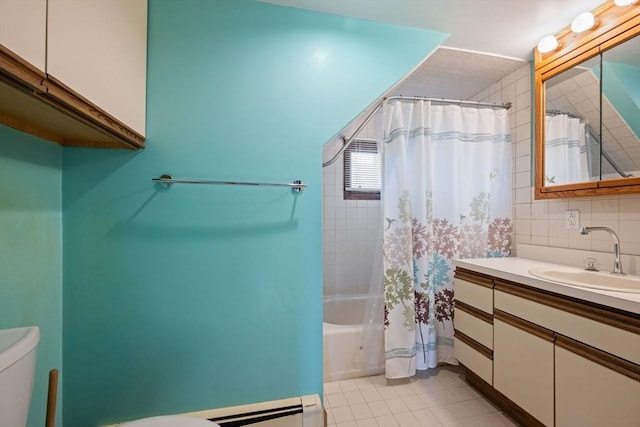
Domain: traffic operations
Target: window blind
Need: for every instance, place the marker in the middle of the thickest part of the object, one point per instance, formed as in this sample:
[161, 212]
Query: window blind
[362, 168]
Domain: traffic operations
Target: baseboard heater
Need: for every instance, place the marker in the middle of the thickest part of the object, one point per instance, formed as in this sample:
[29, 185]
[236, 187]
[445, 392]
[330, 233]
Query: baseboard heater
[302, 411]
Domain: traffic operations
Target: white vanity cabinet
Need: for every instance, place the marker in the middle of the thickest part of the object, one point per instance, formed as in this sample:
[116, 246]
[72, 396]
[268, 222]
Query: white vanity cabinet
[523, 366]
[99, 49]
[23, 26]
[556, 360]
[590, 394]
[473, 322]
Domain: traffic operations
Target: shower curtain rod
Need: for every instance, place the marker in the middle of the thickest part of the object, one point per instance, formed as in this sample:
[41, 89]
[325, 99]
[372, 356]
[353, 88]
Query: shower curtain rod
[559, 112]
[348, 141]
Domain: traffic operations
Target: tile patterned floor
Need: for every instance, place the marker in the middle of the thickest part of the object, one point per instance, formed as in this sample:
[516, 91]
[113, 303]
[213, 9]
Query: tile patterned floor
[439, 397]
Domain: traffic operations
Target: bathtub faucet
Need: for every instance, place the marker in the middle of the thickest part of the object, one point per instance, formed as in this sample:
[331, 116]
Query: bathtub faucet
[617, 264]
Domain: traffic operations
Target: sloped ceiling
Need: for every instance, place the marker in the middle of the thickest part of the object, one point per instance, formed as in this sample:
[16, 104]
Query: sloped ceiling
[457, 74]
[502, 27]
[489, 39]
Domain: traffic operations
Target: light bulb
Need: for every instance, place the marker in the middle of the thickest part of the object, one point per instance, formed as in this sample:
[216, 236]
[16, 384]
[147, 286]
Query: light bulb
[624, 2]
[583, 22]
[547, 44]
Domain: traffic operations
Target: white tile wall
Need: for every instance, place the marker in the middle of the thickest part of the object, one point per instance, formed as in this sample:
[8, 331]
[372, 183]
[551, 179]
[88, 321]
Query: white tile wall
[351, 229]
[541, 222]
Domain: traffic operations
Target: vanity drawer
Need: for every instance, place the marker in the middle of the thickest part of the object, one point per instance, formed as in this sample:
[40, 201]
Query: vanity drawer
[474, 294]
[541, 310]
[480, 330]
[477, 362]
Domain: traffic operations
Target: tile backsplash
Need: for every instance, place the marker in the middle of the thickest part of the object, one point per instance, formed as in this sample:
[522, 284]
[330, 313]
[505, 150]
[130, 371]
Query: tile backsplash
[352, 229]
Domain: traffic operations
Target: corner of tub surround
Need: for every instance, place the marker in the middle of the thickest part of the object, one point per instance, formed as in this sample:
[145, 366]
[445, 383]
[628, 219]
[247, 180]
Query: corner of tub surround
[577, 257]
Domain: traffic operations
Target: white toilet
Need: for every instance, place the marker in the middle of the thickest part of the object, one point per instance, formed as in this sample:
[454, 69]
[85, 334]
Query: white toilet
[17, 371]
[170, 421]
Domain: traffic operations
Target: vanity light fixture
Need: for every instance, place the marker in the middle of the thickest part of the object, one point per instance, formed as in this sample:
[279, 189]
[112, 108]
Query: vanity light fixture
[624, 2]
[548, 44]
[583, 22]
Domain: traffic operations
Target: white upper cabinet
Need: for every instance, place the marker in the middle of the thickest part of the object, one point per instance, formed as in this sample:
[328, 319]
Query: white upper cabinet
[98, 48]
[74, 71]
[23, 25]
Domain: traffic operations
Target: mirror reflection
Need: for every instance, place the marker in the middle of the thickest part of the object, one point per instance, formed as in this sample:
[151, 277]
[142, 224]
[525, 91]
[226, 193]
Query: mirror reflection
[572, 125]
[621, 110]
[578, 147]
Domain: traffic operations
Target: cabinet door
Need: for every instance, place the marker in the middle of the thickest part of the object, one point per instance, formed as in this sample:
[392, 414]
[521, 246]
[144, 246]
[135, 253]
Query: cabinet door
[98, 49]
[23, 26]
[589, 394]
[523, 369]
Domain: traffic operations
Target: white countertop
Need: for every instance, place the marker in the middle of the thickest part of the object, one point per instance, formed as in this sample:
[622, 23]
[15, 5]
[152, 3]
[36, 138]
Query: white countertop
[517, 270]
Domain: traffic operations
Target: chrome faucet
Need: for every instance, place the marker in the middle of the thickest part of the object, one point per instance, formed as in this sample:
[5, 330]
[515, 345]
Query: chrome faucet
[617, 264]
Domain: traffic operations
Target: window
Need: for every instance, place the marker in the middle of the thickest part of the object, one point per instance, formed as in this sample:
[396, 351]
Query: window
[362, 171]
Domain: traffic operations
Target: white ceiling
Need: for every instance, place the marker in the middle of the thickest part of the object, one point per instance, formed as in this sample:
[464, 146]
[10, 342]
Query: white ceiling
[456, 74]
[489, 39]
[501, 27]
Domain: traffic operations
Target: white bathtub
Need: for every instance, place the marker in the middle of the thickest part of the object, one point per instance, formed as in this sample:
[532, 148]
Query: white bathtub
[350, 349]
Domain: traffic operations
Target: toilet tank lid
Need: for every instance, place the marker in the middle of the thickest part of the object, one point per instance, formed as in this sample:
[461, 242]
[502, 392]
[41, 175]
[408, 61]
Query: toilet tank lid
[16, 343]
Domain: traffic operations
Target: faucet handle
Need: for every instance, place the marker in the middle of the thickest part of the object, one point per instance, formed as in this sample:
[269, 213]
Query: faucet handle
[591, 264]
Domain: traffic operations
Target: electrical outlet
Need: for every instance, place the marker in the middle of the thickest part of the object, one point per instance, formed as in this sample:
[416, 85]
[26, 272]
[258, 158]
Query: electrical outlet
[572, 219]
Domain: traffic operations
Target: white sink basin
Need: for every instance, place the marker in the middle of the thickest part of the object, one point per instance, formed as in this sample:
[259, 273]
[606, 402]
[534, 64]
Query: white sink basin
[589, 279]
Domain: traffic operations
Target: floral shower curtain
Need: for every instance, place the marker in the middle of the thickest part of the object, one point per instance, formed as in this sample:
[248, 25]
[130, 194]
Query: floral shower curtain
[446, 194]
[565, 148]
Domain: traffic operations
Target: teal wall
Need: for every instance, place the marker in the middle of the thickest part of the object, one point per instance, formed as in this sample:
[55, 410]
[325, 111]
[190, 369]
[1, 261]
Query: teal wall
[206, 296]
[31, 250]
[621, 85]
[629, 77]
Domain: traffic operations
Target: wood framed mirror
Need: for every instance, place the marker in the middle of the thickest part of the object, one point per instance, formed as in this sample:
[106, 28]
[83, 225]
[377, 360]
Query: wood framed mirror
[587, 109]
